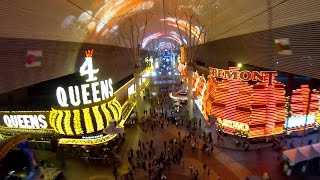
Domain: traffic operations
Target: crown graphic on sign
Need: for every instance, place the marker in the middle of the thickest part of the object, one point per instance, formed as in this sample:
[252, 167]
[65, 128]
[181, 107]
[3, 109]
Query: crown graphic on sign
[89, 53]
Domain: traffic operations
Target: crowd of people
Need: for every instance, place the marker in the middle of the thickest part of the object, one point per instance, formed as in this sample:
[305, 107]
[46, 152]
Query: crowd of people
[158, 161]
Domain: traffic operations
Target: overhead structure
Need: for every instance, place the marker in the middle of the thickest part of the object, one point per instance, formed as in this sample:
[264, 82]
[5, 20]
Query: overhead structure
[8, 143]
[300, 154]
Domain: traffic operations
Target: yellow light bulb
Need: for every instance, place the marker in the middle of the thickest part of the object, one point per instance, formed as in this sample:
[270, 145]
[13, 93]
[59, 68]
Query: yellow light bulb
[88, 120]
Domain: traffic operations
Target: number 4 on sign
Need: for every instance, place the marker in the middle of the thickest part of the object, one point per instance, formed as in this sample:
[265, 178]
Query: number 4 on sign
[87, 69]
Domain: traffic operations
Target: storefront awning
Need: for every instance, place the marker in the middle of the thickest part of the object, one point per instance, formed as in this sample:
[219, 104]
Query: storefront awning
[294, 156]
[302, 153]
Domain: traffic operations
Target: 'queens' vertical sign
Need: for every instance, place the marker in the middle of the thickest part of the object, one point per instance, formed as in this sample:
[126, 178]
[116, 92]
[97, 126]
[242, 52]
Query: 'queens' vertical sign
[91, 92]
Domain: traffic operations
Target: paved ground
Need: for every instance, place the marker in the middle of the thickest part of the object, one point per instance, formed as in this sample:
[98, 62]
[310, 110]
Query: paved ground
[228, 164]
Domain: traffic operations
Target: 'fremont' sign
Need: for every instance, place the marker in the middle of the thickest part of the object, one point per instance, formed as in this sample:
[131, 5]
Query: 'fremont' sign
[244, 75]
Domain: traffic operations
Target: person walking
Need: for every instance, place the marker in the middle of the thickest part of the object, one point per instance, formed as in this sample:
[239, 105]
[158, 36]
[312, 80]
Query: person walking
[131, 152]
[139, 143]
[115, 173]
[163, 176]
[143, 146]
[150, 173]
[149, 154]
[129, 159]
[138, 154]
[151, 144]
[191, 169]
[131, 174]
[211, 149]
[205, 167]
[196, 175]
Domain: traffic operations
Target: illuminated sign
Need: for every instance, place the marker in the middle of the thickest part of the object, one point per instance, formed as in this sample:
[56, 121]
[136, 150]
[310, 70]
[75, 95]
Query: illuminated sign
[76, 95]
[233, 124]
[27, 120]
[131, 90]
[298, 121]
[93, 137]
[198, 103]
[244, 75]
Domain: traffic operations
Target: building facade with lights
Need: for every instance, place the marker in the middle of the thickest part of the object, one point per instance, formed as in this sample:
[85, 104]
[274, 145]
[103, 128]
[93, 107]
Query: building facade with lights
[253, 104]
[87, 113]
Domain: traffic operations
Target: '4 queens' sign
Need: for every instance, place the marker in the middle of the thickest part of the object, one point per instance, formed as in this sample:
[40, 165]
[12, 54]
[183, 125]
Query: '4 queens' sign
[91, 92]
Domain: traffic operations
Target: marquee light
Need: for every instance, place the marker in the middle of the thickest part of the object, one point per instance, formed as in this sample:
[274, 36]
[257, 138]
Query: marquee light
[67, 125]
[206, 100]
[106, 112]
[88, 120]
[262, 105]
[114, 111]
[98, 117]
[98, 140]
[233, 124]
[76, 95]
[59, 122]
[52, 117]
[76, 121]
[128, 111]
[299, 108]
[298, 121]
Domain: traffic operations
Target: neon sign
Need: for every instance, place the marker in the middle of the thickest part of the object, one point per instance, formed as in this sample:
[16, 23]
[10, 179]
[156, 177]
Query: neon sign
[25, 121]
[233, 124]
[76, 95]
[93, 137]
[244, 75]
[298, 121]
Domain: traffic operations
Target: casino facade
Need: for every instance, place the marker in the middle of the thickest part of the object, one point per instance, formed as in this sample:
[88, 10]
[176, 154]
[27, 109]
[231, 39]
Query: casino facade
[86, 114]
[254, 104]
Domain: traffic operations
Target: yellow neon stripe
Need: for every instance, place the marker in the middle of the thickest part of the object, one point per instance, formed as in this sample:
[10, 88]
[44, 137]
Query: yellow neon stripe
[124, 119]
[107, 113]
[88, 120]
[59, 122]
[114, 112]
[98, 118]
[66, 121]
[52, 119]
[118, 106]
[76, 121]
